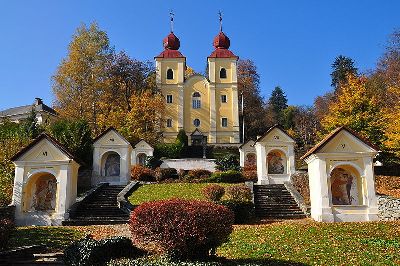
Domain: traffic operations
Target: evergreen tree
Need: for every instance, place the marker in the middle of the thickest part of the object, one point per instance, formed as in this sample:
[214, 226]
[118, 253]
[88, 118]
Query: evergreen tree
[277, 103]
[341, 67]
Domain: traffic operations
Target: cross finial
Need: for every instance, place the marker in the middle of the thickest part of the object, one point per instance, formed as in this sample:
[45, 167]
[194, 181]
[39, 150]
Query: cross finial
[220, 20]
[171, 15]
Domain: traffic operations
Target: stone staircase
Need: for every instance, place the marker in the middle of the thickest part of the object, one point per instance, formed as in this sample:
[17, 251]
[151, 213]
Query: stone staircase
[101, 208]
[276, 203]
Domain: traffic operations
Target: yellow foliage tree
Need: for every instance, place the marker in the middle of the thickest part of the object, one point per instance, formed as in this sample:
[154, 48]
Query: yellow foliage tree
[355, 108]
[392, 116]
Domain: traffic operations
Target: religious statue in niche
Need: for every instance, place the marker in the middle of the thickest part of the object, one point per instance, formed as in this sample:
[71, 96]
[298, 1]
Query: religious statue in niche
[251, 159]
[343, 187]
[44, 197]
[275, 163]
[112, 167]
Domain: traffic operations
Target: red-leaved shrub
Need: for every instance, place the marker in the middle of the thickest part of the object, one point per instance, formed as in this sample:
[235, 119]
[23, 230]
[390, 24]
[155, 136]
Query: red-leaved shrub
[181, 228]
[213, 192]
[198, 174]
[249, 172]
[141, 173]
[238, 193]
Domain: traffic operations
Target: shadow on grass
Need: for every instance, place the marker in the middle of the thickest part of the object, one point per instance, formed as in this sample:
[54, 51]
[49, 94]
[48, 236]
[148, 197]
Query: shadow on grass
[261, 262]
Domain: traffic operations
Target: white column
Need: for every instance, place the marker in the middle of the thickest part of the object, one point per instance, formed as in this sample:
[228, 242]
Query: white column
[372, 201]
[212, 138]
[235, 114]
[292, 164]
[242, 156]
[18, 195]
[261, 165]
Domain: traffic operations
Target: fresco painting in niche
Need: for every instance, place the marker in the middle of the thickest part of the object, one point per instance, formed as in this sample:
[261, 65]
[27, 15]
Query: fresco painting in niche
[251, 159]
[141, 158]
[275, 163]
[44, 197]
[112, 167]
[344, 187]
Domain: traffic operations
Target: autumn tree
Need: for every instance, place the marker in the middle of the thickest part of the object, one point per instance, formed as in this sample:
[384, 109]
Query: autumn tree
[354, 108]
[341, 68]
[82, 78]
[253, 112]
[277, 103]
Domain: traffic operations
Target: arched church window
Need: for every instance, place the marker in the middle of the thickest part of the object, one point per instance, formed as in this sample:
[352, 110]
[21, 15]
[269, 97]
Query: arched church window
[196, 100]
[170, 74]
[222, 73]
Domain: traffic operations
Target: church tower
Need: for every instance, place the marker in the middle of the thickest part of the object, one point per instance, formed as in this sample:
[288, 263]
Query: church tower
[170, 73]
[222, 74]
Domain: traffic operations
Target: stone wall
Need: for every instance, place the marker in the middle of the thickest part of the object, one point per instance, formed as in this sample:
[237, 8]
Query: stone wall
[389, 208]
[189, 164]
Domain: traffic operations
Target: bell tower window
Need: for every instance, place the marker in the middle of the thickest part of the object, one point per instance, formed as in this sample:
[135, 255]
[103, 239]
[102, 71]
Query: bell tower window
[222, 73]
[170, 74]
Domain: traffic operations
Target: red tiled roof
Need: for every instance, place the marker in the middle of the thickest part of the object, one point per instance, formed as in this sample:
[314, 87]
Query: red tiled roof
[222, 53]
[170, 54]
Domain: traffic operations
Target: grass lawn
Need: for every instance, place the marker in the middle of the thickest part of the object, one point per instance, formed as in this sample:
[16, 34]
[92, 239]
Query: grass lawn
[153, 192]
[55, 238]
[373, 243]
[302, 242]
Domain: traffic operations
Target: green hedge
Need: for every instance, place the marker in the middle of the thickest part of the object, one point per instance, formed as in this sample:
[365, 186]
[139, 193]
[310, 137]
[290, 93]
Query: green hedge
[243, 210]
[230, 176]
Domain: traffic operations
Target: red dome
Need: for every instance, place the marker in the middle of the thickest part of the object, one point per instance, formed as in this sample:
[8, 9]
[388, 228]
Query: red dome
[221, 41]
[171, 42]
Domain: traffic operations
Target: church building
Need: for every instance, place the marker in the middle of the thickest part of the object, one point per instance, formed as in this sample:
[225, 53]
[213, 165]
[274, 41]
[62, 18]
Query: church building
[205, 107]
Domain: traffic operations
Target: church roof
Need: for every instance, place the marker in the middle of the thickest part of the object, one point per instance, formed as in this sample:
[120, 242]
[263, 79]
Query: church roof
[171, 45]
[53, 141]
[222, 43]
[331, 135]
[38, 106]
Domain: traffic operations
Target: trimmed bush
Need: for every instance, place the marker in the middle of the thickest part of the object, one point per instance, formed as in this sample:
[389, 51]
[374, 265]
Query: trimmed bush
[238, 193]
[228, 162]
[168, 150]
[165, 173]
[213, 192]
[141, 173]
[243, 210]
[6, 228]
[91, 252]
[152, 162]
[180, 228]
[198, 174]
[226, 177]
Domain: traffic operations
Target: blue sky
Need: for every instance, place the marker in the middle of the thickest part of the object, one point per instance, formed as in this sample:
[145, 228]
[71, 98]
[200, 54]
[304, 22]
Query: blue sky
[293, 43]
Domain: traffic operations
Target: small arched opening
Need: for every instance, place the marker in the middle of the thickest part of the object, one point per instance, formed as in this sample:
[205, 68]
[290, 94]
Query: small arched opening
[141, 158]
[276, 162]
[222, 73]
[196, 100]
[170, 74]
[345, 186]
[41, 193]
[111, 164]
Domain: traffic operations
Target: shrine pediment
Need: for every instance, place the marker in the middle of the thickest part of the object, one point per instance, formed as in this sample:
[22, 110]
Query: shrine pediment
[248, 145]
[110, 137]
[43, 149]
[143, 145]
[343, 140]
[275, 134]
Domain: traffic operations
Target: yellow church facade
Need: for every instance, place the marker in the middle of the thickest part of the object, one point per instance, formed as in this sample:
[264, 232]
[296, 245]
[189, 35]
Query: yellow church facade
[206, 108]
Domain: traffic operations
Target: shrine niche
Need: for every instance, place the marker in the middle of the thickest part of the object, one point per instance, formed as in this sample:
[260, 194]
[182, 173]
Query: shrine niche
[275, 156]
[111, 158]
[341, 178]
[45, 183]
[276, 161]
[44, 196]
[247, 153]
[111, 165]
